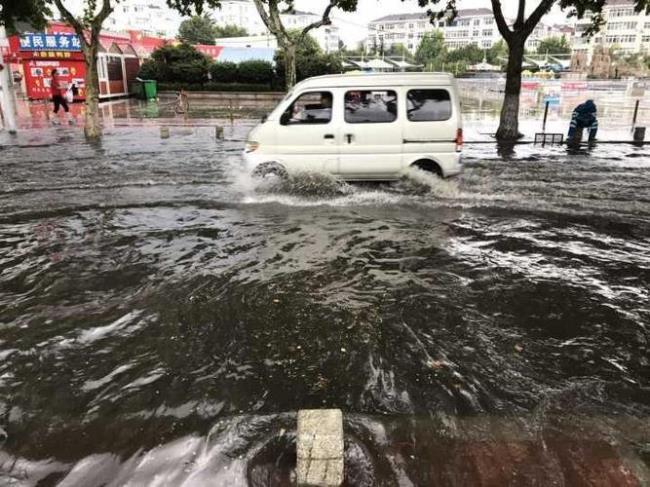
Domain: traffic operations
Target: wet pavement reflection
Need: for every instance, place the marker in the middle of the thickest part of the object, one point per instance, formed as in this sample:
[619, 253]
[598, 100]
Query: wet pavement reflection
[162, 316]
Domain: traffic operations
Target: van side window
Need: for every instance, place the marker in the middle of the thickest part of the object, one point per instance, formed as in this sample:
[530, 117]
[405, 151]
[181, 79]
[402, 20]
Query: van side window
[314, 107]
[370, 106]
[428, 105]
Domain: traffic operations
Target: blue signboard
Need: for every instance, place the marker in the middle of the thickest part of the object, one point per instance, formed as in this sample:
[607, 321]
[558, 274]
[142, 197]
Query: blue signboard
[50, 42]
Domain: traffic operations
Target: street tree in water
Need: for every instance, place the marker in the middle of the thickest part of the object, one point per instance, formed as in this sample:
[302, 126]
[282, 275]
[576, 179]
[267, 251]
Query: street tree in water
[270, 11]
[515, 38]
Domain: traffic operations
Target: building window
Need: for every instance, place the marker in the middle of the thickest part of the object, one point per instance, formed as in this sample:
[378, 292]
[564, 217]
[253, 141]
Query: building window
[477, 21]
[487, 32]
[475, 33]
[488, 21]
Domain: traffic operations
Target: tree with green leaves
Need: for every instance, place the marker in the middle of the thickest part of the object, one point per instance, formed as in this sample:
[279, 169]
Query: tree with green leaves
[270, 11]
[199, 29]
[498, 53]
[230, 30]
[515, 36]
[432, 50]
[554, 46]
[399, 50]
[32, 12]
[310, 60]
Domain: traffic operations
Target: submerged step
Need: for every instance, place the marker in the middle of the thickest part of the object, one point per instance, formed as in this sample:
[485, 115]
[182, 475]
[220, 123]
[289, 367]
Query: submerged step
[320, 447]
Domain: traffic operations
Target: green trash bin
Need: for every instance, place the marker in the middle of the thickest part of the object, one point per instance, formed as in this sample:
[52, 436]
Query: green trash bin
[150, 88]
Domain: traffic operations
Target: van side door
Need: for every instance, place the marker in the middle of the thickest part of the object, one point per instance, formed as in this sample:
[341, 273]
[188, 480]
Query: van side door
[308, 131]
[371, 146]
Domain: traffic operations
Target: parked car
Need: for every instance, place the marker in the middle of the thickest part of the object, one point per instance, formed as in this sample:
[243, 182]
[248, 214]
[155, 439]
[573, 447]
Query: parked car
[362, 126]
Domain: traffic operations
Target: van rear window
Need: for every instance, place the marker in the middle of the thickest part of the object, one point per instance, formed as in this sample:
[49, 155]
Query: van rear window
[428, 105]
[370, 106]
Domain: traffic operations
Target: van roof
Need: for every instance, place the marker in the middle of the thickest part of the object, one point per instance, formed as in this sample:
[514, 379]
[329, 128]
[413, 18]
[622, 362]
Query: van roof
[376, 79]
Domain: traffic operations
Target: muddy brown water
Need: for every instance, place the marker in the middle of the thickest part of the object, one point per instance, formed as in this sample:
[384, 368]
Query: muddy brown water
[162, 316]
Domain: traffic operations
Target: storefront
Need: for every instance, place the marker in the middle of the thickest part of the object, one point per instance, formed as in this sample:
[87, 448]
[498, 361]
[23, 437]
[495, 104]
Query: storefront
[36, 55]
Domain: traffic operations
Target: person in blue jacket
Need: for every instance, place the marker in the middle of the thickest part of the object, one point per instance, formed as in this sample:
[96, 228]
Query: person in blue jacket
[584, 116]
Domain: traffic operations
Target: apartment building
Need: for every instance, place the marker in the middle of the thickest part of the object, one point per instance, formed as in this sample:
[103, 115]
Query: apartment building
[624, 29]
[243, 13]
[152, 17]
[471, 26]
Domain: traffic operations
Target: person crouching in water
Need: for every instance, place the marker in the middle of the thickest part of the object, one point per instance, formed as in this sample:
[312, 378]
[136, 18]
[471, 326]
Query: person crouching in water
[584, 117]
[58, 89]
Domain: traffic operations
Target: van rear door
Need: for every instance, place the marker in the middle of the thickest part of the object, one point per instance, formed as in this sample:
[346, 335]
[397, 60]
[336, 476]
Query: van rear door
[432, 121]
[371, 145]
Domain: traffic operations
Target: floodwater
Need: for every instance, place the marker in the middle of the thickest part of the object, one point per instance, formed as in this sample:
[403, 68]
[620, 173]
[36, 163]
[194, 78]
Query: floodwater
[163, 317]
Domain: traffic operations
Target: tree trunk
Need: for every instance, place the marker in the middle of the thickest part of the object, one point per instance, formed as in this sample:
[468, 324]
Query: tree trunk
[290, 65]
[509, 122]
[92, 122]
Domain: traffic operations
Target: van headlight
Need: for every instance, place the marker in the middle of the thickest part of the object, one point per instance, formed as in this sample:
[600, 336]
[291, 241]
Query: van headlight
[251, 146]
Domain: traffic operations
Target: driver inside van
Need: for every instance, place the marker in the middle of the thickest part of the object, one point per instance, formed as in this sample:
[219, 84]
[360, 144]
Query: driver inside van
[314, 112]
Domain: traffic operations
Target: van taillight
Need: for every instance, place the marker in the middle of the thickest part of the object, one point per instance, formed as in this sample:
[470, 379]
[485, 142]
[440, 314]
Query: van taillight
[459, 140]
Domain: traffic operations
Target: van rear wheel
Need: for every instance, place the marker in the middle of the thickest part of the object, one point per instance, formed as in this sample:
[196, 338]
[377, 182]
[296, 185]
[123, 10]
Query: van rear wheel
[429, 166]
[266, 169]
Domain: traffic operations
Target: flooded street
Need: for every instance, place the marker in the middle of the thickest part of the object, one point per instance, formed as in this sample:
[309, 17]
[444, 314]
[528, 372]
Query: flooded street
[163, 317]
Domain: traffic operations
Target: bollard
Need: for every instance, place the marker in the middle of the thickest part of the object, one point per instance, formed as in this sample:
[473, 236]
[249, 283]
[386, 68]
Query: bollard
[320, 448]
[218, 132]
[230, 114]
[545, 116]
[164, 132]
[636, 113]
[639, 134]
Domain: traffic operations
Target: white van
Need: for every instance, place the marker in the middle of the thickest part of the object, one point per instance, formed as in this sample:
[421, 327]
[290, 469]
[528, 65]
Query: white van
[362, 126]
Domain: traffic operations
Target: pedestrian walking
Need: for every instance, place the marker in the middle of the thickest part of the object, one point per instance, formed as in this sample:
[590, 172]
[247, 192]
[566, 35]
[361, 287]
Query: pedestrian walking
[584, 117]
[58, 90]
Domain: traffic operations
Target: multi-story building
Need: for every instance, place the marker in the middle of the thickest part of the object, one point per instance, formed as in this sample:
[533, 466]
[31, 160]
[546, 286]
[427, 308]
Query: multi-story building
[244, 14]
[152, 17]
[625, 30]
[471, 26]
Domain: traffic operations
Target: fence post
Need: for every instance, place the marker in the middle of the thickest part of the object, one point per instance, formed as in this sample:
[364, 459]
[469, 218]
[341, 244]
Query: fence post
[636, 113]
[545, 116]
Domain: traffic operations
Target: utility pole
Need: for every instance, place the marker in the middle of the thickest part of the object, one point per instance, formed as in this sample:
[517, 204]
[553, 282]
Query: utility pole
[7, 102]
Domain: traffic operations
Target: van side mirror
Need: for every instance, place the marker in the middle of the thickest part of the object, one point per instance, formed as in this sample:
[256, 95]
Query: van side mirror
[265, 117]
[285, 118]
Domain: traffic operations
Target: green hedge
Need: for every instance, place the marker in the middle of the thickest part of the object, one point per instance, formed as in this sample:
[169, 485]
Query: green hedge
[213, 86]
[223, 72]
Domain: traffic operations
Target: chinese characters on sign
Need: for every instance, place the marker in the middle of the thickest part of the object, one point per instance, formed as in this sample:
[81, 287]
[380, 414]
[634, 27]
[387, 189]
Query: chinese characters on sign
[50, 42]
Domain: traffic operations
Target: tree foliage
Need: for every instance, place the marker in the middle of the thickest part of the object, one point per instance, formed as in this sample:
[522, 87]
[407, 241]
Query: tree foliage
[432, 50]
[554, 45]
[399, 50]
[230, 30]
[198, 29]
[33, 12]
[310, 59]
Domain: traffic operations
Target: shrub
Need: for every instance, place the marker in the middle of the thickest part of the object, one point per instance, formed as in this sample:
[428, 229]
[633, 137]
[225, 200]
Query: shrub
[189, 72]
[212, 86]
[225, 72]
[255, 72]
[149, 70]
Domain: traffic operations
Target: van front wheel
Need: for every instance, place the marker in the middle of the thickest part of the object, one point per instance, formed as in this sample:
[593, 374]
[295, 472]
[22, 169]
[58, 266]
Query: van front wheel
[266, 169]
